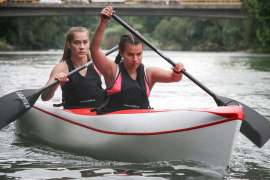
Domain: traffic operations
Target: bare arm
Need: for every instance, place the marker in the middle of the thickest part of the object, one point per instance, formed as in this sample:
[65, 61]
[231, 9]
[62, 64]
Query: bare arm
[105, 65]
[59, 72]
[155, 74]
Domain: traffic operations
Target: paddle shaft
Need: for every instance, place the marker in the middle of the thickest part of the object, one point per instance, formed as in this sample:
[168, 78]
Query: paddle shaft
[254, 126]
[76, 70]
[120, 21]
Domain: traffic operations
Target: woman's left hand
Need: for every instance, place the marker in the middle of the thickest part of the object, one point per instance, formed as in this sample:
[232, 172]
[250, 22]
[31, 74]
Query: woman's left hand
[178, 68]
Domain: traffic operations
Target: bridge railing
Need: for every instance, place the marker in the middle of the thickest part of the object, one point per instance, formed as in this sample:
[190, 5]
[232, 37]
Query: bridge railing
[167, 2]
[188, 2]
[211, 2]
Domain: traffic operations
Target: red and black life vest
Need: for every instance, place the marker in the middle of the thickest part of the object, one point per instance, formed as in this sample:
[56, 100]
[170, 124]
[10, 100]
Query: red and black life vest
[131, 94]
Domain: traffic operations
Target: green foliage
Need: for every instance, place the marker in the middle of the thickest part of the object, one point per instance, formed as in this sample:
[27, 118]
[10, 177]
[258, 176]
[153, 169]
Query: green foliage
[145, 24]
[206, 35]
[112, 36]
[232, 37]
[260, 10]
[41, 32]
[114, 31]
[185, 34]
[168, 33]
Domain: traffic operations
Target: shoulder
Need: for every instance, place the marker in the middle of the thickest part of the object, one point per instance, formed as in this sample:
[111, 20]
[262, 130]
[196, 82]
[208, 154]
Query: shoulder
[61, 67]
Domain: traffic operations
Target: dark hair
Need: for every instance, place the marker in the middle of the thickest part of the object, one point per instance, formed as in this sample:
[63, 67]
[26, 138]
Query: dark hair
[126, 38]
[130, 39]
[69, 38]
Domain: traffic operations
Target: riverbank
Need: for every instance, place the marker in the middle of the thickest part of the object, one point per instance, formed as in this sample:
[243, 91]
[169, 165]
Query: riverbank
[6, 47]
[202, 47]
[205, 46]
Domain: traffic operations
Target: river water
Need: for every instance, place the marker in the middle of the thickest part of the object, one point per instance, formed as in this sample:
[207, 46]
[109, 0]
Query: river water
[241, 76]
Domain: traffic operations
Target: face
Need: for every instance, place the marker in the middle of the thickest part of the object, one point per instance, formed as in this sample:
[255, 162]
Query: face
[79, 45]
[132, 55]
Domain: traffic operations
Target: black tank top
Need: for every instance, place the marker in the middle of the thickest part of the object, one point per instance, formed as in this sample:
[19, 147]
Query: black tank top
[82, 91]
[132, 95]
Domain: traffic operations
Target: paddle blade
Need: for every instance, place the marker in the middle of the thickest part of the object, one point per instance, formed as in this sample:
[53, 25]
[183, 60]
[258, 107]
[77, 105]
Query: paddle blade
[254, 126]
[15, 104]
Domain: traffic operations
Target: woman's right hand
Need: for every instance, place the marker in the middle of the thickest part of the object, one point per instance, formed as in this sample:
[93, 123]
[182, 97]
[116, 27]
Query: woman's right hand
[62, 78]
[106, 14]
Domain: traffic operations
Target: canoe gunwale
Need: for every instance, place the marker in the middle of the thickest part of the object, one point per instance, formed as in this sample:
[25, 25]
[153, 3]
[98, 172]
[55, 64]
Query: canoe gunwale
[237, 116]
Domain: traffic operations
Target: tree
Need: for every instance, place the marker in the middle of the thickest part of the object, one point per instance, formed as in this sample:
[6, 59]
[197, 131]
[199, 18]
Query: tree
[260, 10]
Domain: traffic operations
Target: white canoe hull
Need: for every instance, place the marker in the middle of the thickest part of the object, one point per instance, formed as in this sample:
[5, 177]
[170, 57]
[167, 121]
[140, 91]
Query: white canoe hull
[206, 136]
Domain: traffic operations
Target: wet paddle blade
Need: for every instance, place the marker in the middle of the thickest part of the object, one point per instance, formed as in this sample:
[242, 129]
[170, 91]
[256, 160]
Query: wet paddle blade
[254, 126]
[15, 104]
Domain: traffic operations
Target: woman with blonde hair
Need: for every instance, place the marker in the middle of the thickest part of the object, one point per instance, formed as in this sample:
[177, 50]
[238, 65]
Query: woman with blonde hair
[83, 89]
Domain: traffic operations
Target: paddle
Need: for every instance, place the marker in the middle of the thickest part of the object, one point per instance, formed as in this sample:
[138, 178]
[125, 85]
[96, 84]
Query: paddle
[254, 126]
[15, 104]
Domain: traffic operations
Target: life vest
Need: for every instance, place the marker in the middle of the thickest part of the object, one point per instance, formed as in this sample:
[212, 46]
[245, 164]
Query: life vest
[127, 93]
[82, 91]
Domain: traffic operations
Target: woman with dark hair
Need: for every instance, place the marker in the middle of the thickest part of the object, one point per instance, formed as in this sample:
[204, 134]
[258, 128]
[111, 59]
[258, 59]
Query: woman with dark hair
[128, 83]
[83, 89]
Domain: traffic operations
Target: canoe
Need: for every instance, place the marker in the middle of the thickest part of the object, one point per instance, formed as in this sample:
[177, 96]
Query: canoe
[137, 136]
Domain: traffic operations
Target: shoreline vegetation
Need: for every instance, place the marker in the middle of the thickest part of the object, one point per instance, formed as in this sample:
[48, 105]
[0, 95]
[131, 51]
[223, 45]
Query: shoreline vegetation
[203, 47]
[166, 33]
[6, 47]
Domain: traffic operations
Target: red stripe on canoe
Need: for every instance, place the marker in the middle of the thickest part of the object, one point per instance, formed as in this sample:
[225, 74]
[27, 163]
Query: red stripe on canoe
[235, 117]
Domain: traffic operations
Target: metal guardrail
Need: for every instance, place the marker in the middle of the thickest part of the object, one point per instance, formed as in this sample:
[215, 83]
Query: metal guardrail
[188, 2]
[168, 2]
[211, 2]
[142, 10]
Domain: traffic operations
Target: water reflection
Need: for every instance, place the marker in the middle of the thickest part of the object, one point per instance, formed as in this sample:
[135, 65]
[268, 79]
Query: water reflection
[259, 63]
[28, 169]
[32, 160]
[249, 63]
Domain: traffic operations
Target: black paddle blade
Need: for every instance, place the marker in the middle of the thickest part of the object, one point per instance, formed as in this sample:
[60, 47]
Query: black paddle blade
[15, 104]
[254, 126]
